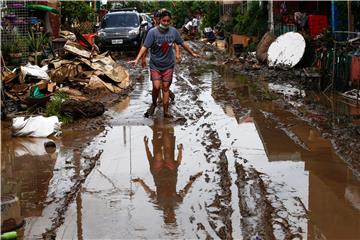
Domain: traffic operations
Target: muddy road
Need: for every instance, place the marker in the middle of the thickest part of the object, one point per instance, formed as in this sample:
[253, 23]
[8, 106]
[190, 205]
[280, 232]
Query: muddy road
[234, 163]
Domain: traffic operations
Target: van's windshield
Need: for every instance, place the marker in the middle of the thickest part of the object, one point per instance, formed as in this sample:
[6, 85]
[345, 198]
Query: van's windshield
[120, 20]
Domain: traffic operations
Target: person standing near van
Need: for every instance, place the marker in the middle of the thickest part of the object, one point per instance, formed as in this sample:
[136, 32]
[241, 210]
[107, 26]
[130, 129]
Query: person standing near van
[160, 41]
[156, 22]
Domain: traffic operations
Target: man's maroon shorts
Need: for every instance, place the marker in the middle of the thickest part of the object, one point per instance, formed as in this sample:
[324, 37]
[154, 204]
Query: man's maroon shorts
[165, 76]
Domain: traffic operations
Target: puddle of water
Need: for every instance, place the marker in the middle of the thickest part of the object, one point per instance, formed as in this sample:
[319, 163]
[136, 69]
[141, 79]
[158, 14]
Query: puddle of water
[168, 199]
[37, 171]
[318, 176]
[155, 205]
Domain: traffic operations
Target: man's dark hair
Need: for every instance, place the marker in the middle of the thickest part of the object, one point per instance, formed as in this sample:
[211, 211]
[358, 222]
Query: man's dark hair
[156, 14]
[164, 13]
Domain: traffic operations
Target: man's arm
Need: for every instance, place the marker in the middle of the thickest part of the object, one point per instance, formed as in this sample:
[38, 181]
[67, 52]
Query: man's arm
[177, 53]
[147, 189]
[143, 58]
[188, 49]
[187, 187]
[141, 52]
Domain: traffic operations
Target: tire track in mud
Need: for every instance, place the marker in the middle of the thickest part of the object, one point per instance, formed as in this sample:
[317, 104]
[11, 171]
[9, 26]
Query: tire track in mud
[263, 212]
[219, 211]
[255, 209]
[259, 209]
[191, 107]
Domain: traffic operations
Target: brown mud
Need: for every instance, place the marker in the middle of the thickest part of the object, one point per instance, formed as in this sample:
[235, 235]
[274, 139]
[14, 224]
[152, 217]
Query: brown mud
[251, 165]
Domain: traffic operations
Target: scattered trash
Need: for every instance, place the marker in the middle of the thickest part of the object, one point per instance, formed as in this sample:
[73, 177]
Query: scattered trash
[9, 235]
[352, 94]
[37, 126]
[34, 71]
[7, 75]
[77, 49]
[286, 51]
[286, 90]
[39, 93]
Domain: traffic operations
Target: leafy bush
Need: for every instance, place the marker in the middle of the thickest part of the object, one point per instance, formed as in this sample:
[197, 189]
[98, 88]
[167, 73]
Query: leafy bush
[253, 22]
[211, 10]
[15, 43]
[37, 40]
[54, 106]
[76, 11]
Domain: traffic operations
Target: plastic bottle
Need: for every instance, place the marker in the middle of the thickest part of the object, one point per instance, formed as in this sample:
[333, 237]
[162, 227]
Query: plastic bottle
[9, 235]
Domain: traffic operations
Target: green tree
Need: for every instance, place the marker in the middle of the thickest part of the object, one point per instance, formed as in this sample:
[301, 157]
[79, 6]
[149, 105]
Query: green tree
[73, 11]
[210, 11]
[253, 22]
[180, 10]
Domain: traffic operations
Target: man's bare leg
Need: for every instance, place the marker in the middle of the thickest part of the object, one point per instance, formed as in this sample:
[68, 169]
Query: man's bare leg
[155, 95]
[165, 91]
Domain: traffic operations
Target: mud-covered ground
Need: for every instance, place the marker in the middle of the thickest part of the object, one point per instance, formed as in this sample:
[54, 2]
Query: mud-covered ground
[245, 163]
[317, 108]
[344, 134]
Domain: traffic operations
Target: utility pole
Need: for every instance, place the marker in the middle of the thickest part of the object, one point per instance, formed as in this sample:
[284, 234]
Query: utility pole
[271, 15]
[350, 27]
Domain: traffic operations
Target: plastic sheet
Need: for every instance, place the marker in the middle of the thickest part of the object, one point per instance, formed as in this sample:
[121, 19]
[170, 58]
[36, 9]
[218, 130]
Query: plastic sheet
[37, 126]
[286, 51]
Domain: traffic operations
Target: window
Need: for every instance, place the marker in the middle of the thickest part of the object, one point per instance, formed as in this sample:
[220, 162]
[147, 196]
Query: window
[121, 20]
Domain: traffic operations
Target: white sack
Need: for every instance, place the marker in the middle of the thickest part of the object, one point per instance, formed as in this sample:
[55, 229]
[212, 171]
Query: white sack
[38, 126]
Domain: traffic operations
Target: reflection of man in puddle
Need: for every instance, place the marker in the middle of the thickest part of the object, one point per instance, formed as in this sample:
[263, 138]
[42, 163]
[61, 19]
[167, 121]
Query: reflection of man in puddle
[164, 169]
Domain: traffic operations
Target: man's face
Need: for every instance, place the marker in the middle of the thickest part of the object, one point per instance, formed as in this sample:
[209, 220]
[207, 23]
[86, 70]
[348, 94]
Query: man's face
[165, 21]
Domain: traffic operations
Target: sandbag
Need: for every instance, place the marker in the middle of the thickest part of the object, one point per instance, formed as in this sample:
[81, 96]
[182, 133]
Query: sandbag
[263, 46]
[37, 126]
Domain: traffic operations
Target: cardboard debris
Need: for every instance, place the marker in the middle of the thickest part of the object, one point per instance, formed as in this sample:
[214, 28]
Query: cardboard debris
[97, 83]
[77, 49]
[108, 66]
[54, 64]
[68, 35]
[51, 87]
[7, 75]
[240, 39]
[102, 68]
[87, 70]
[64, 70]
[70, 91]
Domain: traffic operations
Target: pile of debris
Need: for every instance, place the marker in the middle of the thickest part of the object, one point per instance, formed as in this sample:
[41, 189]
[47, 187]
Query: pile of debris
[78, 69]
